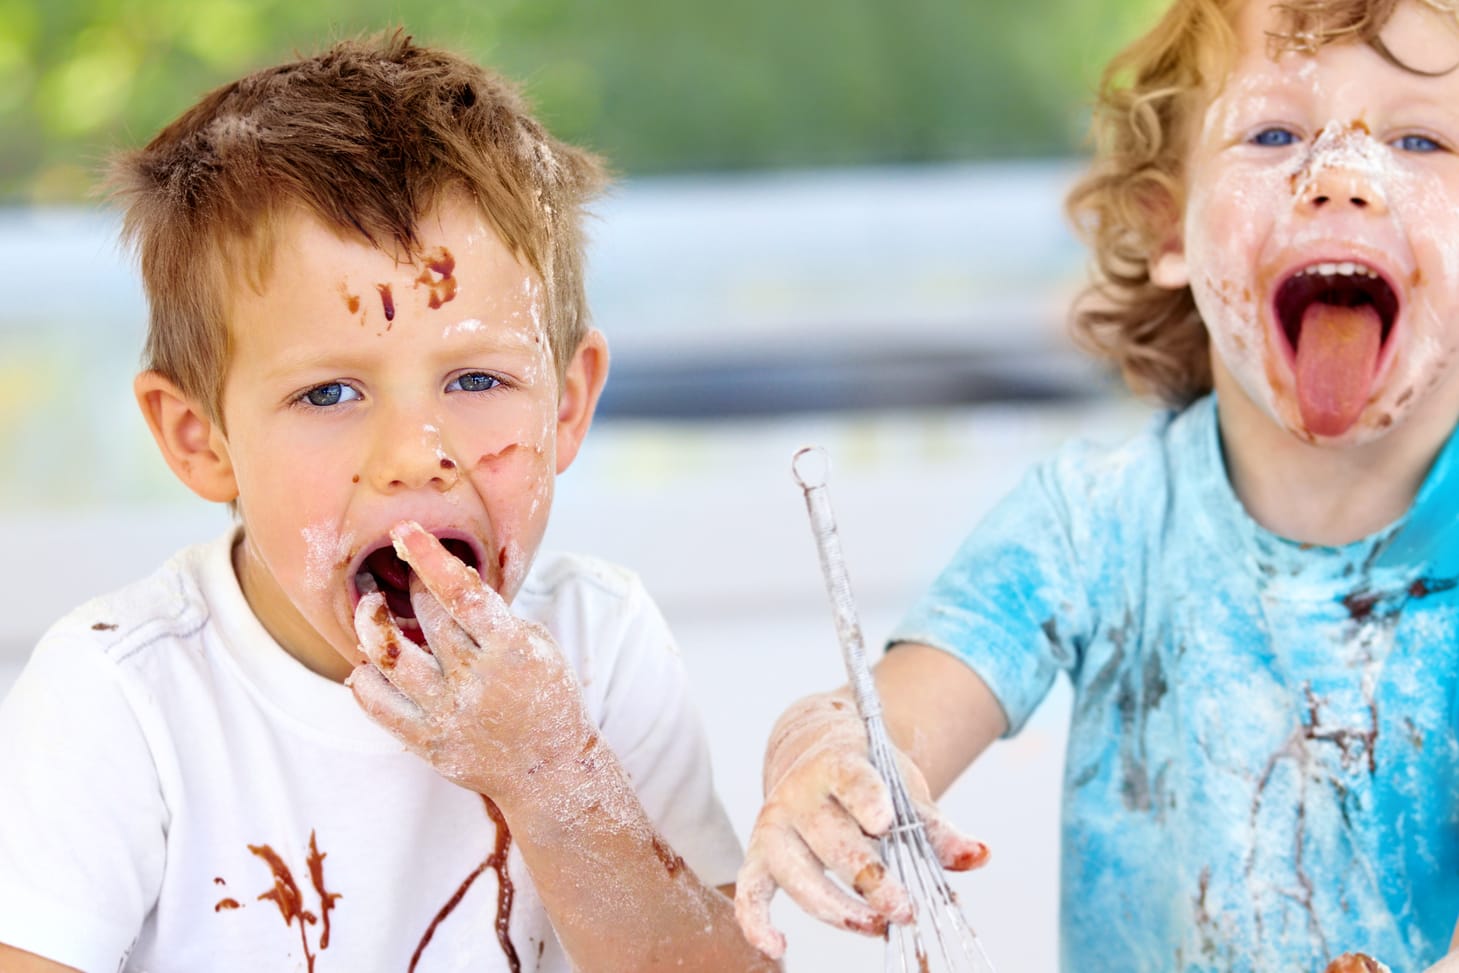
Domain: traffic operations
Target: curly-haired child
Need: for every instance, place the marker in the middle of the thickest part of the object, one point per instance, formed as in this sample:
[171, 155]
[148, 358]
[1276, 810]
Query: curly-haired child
[1257, 600]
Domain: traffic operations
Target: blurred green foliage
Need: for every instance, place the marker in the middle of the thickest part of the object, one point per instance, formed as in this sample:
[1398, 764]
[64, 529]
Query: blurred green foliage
[655, 85]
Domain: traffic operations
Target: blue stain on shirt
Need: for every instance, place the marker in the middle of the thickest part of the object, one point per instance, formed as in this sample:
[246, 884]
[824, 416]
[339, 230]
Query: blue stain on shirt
[1263, 769]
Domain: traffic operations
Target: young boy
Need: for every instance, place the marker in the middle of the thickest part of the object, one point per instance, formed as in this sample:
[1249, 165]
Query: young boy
[1256, 600]
[368, 334]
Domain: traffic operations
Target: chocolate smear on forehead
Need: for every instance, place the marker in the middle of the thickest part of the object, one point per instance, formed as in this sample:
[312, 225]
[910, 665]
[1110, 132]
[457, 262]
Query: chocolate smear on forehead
[351, 301]
[387, 301]
[438, 276]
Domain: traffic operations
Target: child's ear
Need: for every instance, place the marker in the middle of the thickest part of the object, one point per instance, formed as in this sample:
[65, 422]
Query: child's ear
[1168, 267]
[582, 383]
[191, 443]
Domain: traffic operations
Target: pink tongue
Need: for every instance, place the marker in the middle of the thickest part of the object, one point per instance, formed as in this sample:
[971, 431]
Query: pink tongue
[1337, 358]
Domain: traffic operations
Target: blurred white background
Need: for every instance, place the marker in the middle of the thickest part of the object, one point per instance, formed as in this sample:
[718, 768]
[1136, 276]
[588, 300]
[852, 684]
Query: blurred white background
[909, 320]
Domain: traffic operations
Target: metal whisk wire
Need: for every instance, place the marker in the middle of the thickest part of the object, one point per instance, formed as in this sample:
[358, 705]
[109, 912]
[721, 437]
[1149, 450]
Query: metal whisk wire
[939, 937]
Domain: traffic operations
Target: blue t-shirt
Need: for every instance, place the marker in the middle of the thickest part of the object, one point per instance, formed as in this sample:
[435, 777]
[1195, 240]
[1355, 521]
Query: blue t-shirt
[1262, 758]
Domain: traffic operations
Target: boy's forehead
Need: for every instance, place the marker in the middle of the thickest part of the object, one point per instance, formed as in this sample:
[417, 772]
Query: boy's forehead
[460, 279]
[298, 248]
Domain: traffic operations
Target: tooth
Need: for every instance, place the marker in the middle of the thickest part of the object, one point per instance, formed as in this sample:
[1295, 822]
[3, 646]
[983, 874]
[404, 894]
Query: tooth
[1327, 269]
[1347, 269]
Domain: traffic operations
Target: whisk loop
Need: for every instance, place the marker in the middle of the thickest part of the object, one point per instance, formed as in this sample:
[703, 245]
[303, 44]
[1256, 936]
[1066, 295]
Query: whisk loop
[939, 938]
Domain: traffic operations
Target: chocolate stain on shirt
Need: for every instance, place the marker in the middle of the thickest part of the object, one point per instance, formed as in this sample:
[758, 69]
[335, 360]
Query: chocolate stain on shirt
[497, 861]
[287, 896]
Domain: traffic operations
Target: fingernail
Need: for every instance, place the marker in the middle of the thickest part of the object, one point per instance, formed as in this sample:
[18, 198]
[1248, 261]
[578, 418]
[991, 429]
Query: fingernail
[869, 879]
[872, 925]
[398, 534]
[965, 860]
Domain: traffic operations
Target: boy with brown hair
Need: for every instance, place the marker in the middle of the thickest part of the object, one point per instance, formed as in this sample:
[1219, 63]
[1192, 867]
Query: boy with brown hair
[1257, 600]
[368, 334]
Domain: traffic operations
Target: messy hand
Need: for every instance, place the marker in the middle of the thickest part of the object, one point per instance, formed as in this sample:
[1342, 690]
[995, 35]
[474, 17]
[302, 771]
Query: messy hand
[825, 805]
[493, 700]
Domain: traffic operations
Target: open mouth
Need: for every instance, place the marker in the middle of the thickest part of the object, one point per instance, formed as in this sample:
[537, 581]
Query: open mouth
[391, 577]
[1339, 285]
[1337, 319]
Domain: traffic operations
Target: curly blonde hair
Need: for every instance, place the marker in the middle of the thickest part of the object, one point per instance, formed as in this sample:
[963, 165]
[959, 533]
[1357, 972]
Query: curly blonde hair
[368, 136]
[1148, 104]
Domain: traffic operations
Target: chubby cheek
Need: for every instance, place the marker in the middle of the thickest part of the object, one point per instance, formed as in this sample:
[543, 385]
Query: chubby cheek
[1224, 243]
[1427, 341]
[293, 529]
[1424, 360]
[1429, 335]
[516, 484]
[513, 474]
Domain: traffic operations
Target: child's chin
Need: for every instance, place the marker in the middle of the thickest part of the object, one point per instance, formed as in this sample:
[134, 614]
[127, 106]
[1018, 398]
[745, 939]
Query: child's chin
[1367, 428]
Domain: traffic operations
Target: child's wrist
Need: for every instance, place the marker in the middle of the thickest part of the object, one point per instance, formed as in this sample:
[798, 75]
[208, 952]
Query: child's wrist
[567, 783]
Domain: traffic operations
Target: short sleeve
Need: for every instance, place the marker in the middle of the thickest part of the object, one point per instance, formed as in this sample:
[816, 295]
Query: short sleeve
[1012, 603]
[82, 832]
[650, 719]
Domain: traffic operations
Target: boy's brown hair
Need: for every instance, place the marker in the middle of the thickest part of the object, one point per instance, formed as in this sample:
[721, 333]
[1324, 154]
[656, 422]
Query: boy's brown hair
[1129, 203]
[368, 136]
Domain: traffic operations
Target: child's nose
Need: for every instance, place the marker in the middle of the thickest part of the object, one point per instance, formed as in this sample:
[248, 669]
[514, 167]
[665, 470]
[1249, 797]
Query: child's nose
[411, 455]
[1335, 187]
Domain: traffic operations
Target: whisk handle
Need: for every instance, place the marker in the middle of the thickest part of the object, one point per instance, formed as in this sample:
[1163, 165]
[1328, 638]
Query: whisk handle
[812, 482]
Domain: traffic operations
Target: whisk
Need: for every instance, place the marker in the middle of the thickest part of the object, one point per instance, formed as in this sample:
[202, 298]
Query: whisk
[939, 938]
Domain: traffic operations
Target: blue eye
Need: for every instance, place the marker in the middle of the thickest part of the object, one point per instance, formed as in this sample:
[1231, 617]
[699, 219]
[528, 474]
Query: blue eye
[1274, 138]
[473, 382]
[1416, 143]
[331, 393]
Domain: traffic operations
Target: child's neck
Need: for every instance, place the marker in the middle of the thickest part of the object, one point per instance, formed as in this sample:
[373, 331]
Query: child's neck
[1322, 494]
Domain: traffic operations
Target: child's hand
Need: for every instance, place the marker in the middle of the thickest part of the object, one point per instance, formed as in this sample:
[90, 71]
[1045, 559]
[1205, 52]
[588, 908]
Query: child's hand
[493, 700]
[825, 805]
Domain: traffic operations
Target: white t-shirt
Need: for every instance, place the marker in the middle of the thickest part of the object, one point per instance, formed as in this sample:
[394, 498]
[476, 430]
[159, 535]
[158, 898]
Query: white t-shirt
[179, 794]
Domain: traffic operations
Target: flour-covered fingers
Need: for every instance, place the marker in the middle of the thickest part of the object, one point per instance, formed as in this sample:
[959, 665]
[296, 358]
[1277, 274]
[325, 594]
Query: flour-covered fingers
[385, 704]
[840, 846]
[955, 850]
[456, 585]
[453, 647]
[403, 663]
[795, 867]
[754, 888]
[859, 788]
